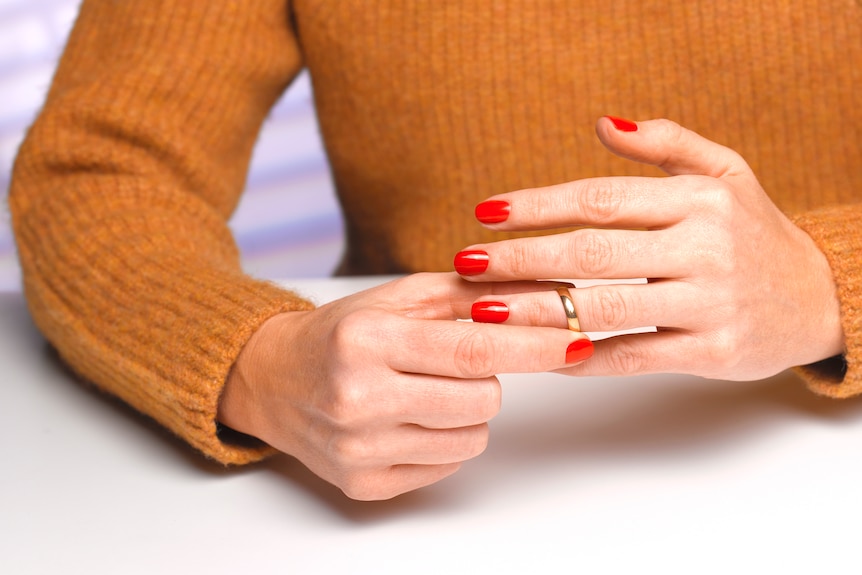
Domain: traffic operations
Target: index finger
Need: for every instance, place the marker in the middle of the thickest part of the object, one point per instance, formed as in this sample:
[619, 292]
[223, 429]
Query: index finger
[472, 350]
[447, 296]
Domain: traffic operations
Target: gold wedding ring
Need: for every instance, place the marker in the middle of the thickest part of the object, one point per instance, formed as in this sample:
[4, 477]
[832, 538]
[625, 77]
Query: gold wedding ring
[569, 306]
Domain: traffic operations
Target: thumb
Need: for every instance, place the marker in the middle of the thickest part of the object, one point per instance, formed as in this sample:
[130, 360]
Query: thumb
[669, 146]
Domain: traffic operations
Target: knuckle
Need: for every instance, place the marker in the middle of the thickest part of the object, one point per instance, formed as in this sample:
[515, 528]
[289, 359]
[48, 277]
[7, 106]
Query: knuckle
[348, 451]
[596, 253]
[536, 312]
[490, 400]
[346, 398]
[613, 310]
[720, 258]
[671, 131]
[424, 286]
[716, 196]
[404, 284]
[360, 487]
[495, 399]
[354, 330]
[630, 360]
[724, 351]
[519, 259]
[412, 281]
[722, 201]
[600, 200]
[724, 260]
[478, 442]
[345, 405]
[474, 355]
[360, 334]
[671, 134]
[416, 295]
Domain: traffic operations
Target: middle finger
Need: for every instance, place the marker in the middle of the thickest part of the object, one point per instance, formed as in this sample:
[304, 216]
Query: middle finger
[581, 254]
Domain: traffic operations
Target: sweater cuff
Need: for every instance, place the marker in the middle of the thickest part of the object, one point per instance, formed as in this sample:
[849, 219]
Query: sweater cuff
[177, 381]
[836, 232]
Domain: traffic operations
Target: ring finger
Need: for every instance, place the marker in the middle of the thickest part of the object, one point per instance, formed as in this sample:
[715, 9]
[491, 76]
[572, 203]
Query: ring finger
[603, 308]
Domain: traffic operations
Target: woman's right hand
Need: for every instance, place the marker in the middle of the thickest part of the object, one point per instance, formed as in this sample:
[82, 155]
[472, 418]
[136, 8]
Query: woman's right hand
[382, 392]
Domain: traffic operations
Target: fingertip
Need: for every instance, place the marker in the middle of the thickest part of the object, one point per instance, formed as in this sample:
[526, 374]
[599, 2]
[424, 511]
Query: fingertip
[622, 124]
[489, 312]
[493, 211]
[579, 350]
[614, 132]
[471, 262]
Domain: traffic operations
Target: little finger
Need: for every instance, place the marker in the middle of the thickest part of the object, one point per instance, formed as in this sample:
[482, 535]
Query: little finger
[390, 482]
[409, 444]
[447, 295]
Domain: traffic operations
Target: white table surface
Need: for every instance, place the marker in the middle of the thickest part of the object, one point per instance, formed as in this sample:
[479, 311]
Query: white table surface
[665, 474]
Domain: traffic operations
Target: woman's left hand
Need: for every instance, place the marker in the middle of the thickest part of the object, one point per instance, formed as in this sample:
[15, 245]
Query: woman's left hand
[735, 289]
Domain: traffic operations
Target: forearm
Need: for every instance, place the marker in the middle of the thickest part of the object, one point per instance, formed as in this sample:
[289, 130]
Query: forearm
[121, 194]
[836, 231]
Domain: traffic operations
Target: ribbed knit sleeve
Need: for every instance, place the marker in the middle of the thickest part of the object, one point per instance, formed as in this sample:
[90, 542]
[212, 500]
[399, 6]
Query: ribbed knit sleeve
[838, 233]
[121, 194]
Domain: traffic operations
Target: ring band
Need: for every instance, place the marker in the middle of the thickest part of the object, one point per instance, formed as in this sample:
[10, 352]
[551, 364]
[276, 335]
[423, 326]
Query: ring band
[569, 306]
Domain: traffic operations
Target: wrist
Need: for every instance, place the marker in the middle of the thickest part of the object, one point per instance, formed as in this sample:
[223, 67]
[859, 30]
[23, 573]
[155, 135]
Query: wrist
[240, 403]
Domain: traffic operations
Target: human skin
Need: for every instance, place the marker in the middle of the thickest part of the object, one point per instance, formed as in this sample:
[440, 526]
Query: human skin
[382, 392]
[736, 290]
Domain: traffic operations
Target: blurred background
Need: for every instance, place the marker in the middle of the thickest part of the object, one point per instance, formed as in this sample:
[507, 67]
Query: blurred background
[287, 224]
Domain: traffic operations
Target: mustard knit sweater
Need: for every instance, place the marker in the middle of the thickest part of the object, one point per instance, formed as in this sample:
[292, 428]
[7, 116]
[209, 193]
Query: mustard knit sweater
[123, 187]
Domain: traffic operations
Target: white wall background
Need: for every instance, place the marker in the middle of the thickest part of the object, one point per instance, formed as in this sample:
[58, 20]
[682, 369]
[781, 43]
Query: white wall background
[289, 167]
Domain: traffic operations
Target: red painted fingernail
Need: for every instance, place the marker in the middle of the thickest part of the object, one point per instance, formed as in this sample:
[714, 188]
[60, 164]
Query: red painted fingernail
[489, 312]
[471, 262]
[493, 211]
[579, 350]
[622, 124]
